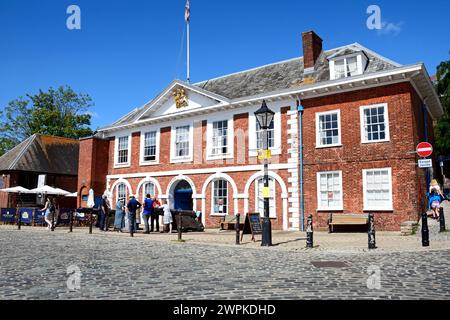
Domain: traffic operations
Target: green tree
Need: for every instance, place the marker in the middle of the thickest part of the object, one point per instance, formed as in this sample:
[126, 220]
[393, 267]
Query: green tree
[442, 129]
[61, 112]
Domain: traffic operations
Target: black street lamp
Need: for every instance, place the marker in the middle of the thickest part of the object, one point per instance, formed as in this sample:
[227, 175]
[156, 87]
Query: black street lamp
[265, 116]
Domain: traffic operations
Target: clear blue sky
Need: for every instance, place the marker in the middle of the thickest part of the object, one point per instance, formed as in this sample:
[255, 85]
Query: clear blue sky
[128, 51]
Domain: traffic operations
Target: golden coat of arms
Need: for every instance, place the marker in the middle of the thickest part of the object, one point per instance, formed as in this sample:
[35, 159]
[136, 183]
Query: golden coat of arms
[181, 98]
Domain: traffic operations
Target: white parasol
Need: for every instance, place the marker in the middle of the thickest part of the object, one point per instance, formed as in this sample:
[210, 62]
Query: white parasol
[50, 191]
[91, 200]
[16, 190]
[72, 195]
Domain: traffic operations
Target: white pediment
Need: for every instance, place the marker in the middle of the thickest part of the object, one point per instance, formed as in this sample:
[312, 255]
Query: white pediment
[194, 98]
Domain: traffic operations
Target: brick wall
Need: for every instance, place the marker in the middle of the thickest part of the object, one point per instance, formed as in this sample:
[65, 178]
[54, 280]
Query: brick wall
[93, 167]
[354, 156]
[7, 180]
[406, 129]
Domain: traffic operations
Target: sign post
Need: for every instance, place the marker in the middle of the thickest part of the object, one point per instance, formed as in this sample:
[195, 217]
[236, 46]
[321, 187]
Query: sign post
[425, 150]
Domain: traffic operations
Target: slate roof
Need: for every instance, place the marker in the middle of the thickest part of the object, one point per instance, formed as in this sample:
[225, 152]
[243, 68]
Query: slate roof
[43, 154]
[278, 76]
[286, 74]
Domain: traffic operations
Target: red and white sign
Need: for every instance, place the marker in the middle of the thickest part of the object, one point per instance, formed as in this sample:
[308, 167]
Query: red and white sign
[424, 149]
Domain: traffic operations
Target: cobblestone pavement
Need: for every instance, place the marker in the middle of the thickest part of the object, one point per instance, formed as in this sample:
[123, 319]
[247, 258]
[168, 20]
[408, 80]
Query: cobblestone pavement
[34, 265]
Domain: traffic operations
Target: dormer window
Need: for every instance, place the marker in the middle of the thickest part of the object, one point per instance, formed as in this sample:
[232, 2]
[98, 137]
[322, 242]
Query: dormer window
[345, 68]
[348, 66]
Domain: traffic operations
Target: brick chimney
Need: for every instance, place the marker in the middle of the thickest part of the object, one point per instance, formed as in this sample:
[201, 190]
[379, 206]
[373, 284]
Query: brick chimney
[312, 48]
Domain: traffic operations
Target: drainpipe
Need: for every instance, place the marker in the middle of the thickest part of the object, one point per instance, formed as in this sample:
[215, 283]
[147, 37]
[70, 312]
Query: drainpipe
[300, 110]
[425, 126]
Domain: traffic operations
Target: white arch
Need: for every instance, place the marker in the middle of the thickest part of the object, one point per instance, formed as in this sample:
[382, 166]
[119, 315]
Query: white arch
[284, 194]
[172, 183]
[124, 181]
[151, 180]
[214, 177]
[180, 178]
[218, 176]
[272, 175]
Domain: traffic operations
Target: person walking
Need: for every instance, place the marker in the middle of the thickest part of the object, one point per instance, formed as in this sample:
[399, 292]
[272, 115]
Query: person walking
[48, 209]
[435, 199]
[119, 220]
[155, 214]
[148, 213]
[106, 208]
[167, 218]
[132, 207]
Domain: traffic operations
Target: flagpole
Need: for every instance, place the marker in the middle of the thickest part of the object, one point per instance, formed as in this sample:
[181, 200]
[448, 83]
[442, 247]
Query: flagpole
[188, 53]
[187, 18]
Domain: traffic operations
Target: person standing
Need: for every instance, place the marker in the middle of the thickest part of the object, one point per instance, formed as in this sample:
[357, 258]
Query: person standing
[119, 220]
[167, 218]
[148, 213]
[155, 214]
[132, 207]
[48, 209]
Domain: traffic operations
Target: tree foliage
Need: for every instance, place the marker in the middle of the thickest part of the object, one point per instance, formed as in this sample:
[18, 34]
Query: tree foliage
[61, 112]
[442, 130]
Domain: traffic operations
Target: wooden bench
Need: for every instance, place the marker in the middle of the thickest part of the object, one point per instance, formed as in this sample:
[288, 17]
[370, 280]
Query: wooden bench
[231, 220]
[347, 220]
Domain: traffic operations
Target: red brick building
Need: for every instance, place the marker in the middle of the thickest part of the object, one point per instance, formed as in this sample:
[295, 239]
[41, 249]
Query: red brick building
[196, 144]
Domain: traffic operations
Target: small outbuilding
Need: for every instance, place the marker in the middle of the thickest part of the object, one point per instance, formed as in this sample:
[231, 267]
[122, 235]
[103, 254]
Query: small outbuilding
[37, 161]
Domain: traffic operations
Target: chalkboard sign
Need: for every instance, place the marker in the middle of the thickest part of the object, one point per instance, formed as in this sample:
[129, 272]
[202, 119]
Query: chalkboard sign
[252, 225]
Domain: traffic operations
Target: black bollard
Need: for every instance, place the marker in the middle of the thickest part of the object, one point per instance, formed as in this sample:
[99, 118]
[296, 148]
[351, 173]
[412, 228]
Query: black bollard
[238, 220]
[71, 221]
[19, 220]
[180, 232]
[372, 240]
[53, 220]
[90, 222]
[425, 231]
[442, 220]
[310, 233]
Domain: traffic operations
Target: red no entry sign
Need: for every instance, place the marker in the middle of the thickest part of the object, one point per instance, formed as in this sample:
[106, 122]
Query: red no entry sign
[424, 149]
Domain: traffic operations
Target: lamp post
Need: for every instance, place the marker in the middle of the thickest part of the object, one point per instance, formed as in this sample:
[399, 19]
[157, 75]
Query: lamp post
[265, 116]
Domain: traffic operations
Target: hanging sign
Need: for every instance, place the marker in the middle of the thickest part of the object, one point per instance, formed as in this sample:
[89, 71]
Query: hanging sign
[264, 154]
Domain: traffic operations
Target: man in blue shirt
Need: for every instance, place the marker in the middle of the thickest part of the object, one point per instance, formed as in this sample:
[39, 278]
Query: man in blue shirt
[148, 212]
[132, 206]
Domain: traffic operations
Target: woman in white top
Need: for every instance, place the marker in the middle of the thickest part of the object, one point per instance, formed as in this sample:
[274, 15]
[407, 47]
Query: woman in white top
[167, 219]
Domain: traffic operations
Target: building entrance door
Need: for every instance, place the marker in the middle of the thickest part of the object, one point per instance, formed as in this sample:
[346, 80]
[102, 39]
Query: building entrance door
[183, 196]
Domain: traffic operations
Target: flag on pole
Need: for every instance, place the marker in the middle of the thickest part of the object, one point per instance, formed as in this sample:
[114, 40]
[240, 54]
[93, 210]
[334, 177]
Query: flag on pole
[187, 14]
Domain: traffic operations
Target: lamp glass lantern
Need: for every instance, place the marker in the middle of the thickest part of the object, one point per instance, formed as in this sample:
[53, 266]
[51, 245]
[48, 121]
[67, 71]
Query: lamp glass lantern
[264, 116]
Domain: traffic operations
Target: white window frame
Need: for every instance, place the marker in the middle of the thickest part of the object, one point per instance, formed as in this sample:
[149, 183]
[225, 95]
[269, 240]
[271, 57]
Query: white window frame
[360, 60]
[252, 143]
[319, 205]
[230, 138]
[214, 214]
[144, 194]
[184, 159]
[272, 215]
[318, 140]
[386, 120]
[390, 207]
[142, 147]
[117, 192]
[116, 151]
